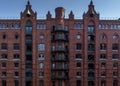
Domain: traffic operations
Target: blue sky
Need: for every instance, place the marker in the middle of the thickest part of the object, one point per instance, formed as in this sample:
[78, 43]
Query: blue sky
[106, 8]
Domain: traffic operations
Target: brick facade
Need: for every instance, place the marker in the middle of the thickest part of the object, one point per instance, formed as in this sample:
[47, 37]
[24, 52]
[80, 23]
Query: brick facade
[59, 51]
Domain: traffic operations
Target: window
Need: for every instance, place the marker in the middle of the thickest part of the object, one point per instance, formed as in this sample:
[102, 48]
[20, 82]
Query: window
[60, 47]
[103, 65]
[4, 46]
[78, 64]
[41, 36]
[4, 83]
[1, 26]
[41, 26]
[16, 65]
[103, 36]
[53, 65]
[103, 83]
[115, 65]
[16, 83]
[41, 65]
[4, 74]
[91, 66]
[91, 58]
[16, 56]
[16, 46]
[4, 36]
[4, 56]
[60, 83]
[41, 56]
[78, 56]
[3, 65]
[41, 74]
[53, 83]
[78, 74]
[91, 47]
[60, 36]
[16, 74]
[78, 83]
[41, 83]
[114, 46]
[103, 74]
[53, 48]
[115, 82]
[5, 26]
[78, 46]
[66, 28]
[115, 56]
[91, 38]
[78, 26]
[59, 27]
[103, 46]
[78, 36]
[102, 56]
[115, 74]
[41, 47]
[115, 37]
[91, 29]
[16, 36]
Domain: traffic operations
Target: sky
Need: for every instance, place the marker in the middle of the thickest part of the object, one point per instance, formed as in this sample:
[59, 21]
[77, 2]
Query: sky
[108, 9]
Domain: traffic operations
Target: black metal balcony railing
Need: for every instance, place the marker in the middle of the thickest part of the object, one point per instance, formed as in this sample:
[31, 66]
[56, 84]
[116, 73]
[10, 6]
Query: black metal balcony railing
[91, 60]
[91, 51]
[60, 68]
[91, 69]
[28, 52]
[28, 40]
[60, 59]
[60, 50]
[91, 78]
[91, 41]
[60, 77]
[60, 39]
[60, 30]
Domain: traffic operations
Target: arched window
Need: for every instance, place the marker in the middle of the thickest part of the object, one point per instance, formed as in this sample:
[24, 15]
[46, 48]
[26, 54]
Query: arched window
[115, 36]
[103, 36]
[41, 65]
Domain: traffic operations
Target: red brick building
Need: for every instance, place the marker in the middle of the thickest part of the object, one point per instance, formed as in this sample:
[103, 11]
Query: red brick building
[59, 51]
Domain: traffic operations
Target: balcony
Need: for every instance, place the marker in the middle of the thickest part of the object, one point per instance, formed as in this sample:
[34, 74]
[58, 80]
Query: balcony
[91, 78]
[60, 77]
[28, 69]
[60, 68]
[91, 69]
[28, 78]
[61, 39]
[60, 30]
[28, 52]
[91, 60]
[91, 41]
[28, 61]
[60, 59]
[28, 41]
[60, 50]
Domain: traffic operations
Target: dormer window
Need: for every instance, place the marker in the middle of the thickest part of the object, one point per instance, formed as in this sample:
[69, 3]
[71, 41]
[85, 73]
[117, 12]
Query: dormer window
[28, 13]
[91, 15]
